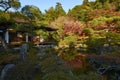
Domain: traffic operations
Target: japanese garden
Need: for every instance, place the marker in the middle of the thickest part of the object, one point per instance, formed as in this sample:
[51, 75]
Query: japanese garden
[81, 44]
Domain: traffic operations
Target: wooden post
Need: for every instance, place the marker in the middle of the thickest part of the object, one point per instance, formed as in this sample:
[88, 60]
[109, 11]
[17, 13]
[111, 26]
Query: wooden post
[7, 37]
[26, 37]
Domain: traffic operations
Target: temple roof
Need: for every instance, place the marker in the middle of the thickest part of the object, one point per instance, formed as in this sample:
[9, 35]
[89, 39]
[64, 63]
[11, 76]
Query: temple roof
[47, 28]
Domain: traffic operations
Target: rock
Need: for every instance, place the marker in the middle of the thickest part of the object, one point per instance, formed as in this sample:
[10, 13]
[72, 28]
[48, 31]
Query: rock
[23, 51]
[5, 70]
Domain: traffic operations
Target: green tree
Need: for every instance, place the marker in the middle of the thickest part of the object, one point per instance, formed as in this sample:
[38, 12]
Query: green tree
[107, 4]
[68, 40]
[80, 12]
[116, 4]
[4, 18]
[7, 4]
[53, 13]
[33, 13]
[21, 22]
[85, 2]
[113, 38]
[111, 23]
[95, 44]
[42, 34]
[88, 31]
[50, 15]
[59, 11]
[97, 4]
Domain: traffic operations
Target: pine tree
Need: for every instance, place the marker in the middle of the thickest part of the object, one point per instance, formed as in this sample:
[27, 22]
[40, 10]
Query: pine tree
[50, 14]
[85, 2]
[59, 10]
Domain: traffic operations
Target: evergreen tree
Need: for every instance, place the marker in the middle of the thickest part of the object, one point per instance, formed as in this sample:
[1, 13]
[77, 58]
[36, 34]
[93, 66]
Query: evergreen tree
[50, 15]
[85, 2]
[59, 10]
[53, 13]
[80, 12]
[97, 4]
[34, 14]
[7, 4]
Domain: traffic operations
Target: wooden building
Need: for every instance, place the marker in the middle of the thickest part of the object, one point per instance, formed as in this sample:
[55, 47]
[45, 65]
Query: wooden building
[38, 41]
[4, 35]
[10, 36]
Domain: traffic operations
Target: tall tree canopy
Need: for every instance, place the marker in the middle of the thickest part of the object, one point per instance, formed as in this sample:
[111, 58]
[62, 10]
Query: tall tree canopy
[53, 13]
[59, 10]
[85, 2]
[7, 4]
[31, 11]
[80, 12]
[50, 14]
[5, 20]
[34, 14]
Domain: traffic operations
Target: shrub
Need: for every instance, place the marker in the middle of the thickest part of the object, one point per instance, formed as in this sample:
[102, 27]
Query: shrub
[68, 53]
[59, 76]
[95, 43]
[53, 64]
[8, 58]
[91, 76]
[88, 31]
[68, 40]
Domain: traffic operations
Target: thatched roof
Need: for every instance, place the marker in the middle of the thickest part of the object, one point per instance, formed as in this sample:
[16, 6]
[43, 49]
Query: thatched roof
[20, 20]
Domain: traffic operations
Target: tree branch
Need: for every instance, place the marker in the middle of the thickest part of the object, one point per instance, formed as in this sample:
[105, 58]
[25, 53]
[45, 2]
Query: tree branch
[7, 8]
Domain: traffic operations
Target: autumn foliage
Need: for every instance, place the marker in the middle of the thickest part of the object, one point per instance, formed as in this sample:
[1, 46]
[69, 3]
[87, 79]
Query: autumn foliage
[72, 27]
